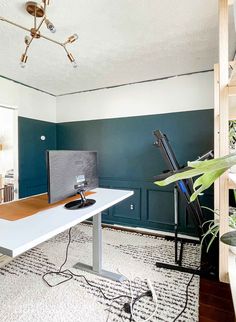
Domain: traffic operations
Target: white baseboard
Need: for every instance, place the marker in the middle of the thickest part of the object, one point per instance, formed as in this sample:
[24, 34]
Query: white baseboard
[155, 232]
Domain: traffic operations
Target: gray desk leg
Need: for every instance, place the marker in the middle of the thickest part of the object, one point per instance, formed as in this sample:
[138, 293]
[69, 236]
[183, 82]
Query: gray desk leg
[97, 254]
[97, 243]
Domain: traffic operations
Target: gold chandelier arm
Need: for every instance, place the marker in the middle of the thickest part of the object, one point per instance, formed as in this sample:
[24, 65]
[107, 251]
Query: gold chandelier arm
[45, 7]
[14, 24]
[33, 36]
[27, 29]
[35, 22]
[67, 52]
[52, 40]
[45, 3]
[70, 57]
[39, 26]
[26, 50]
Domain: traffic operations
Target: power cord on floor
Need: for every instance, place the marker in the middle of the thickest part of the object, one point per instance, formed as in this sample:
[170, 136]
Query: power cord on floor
[127, 307]
[69, 275]
[186, 300]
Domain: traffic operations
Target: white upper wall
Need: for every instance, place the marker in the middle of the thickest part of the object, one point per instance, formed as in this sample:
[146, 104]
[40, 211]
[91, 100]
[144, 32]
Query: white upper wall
[183, 93]
[29, 102]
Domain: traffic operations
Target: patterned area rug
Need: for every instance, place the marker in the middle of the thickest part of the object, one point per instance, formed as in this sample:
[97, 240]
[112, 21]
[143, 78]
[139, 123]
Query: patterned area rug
[24, 297]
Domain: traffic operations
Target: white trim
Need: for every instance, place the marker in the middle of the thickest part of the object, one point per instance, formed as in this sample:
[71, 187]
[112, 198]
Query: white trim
[16, 155]
[152, 231]
[8, 107]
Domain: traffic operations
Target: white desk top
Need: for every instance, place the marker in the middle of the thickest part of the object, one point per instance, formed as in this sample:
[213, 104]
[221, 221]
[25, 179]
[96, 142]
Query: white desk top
[21, 235]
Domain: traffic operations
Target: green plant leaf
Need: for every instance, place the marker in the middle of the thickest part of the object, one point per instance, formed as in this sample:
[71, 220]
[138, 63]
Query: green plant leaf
[232, 221]
[213, 232]
[204, 182]
[216, 212]
[212, 239]
[215, 164]
[210, 221]
[208, 171]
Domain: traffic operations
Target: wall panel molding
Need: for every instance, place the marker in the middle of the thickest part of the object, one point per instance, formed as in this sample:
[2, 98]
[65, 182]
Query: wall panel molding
[127, 159]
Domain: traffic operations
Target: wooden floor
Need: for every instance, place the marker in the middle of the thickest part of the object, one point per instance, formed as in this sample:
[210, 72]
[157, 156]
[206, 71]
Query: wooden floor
[215, 302]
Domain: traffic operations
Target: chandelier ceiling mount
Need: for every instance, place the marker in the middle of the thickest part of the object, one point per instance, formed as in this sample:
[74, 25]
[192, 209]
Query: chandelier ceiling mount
[34, 9]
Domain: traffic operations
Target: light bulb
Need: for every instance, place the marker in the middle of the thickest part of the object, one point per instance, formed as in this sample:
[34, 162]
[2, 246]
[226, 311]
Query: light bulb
[22, 64]
[72, 60]
[23, 60]
[50, 25]
[74, 64]
[73, 38]
[27, 40]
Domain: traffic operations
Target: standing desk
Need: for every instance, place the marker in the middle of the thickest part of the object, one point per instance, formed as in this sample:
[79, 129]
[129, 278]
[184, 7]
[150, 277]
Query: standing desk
[20, 235]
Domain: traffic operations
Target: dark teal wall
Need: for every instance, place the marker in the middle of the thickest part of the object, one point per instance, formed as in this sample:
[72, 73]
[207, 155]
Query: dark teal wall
[32, 166]
[128, 159]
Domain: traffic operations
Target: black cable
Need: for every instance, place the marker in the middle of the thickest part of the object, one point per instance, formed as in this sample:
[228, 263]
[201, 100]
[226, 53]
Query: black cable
[67, 273]
[127, 306]
[186, 300]
[67, 249]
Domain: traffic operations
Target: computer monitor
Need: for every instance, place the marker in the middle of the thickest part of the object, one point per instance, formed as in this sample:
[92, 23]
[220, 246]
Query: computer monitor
[70, 173]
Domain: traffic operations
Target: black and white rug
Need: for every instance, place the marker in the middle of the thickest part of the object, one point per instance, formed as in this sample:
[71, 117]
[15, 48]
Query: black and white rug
[24, 297]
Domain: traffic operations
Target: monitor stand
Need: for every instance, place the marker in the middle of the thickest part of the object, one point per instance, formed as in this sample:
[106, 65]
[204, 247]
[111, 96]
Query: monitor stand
[80, 203]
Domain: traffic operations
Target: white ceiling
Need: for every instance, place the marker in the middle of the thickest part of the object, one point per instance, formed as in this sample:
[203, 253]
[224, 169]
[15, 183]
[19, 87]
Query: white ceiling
[120, 41]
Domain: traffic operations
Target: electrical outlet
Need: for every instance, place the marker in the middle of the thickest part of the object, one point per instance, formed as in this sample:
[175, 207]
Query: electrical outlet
[131, 206]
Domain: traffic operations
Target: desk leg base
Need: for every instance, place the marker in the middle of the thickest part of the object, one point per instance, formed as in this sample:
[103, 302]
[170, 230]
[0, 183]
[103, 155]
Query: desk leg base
[102, 273]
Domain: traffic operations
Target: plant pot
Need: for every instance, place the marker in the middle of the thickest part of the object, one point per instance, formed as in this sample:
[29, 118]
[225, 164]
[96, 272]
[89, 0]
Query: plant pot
[232, 248]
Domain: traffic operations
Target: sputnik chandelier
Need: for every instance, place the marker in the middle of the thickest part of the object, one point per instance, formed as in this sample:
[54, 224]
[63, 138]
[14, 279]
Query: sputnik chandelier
[40, 11]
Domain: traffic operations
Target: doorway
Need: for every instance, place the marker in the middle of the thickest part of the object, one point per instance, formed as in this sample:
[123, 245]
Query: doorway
[8, 154]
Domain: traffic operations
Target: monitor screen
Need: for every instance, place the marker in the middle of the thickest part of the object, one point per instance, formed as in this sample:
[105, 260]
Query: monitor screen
[69, 172]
